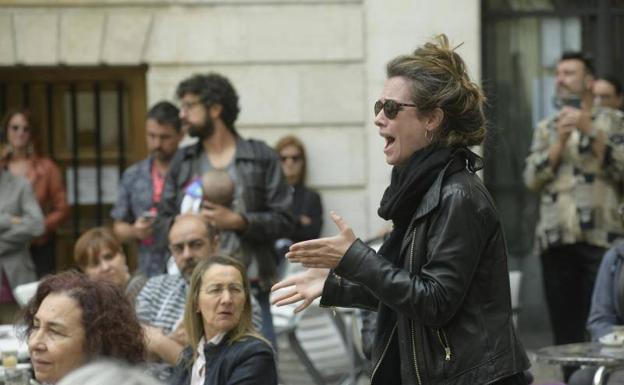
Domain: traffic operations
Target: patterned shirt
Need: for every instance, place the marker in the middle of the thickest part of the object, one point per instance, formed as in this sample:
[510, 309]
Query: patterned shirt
[579, 200]
[134, 197]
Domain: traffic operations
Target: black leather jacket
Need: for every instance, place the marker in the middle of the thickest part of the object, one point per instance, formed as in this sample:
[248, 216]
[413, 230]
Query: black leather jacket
[445, 311]
[267, 198]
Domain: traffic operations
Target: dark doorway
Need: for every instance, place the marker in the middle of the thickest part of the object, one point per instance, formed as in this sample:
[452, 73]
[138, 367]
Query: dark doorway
[90, 122]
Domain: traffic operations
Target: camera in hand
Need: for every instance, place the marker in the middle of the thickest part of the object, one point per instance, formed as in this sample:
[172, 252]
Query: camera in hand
[568, 101]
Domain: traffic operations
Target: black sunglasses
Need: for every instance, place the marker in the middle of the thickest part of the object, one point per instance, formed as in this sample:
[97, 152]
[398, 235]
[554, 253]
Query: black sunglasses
[294, 158]
[390, 107]
[16, 127]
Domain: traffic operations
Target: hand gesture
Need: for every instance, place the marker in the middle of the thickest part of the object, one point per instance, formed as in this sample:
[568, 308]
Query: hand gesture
[305, 286]
[323, 252]
[179, 335]
[152, 336]
[305, 220]
[567, 121]
[222, 217]
[143, 228]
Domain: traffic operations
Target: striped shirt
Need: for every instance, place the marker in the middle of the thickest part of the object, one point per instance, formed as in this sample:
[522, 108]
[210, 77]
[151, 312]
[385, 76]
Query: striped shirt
[161, 302]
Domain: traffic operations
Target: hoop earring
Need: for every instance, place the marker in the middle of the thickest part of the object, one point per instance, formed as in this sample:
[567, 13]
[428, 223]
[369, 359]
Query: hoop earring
[429, 138]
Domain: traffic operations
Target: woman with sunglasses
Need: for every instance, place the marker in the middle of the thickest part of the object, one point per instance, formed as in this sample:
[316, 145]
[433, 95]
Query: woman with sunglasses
[440, 282]
[19, 151]
[307, 207]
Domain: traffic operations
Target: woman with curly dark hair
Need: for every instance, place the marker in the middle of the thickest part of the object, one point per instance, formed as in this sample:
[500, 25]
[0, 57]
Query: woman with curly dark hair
[72, 320]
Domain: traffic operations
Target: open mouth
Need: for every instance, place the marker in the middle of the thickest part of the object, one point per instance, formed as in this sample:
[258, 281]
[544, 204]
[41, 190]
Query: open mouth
[389, 141]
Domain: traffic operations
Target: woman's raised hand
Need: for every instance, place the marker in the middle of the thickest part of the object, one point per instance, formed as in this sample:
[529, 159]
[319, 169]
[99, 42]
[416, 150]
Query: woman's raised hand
[305, 286]
[323, 252]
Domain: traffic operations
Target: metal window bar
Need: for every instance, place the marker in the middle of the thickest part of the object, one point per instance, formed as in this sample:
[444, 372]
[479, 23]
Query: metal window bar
[75, 163]
[3, 101]
[120, 129]
[50, 119]
[25, 95]
[98, 152]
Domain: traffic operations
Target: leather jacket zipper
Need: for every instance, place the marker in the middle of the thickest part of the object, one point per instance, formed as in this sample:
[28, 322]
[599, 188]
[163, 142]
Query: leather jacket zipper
[416, 370]
[445, 345]
[412, 331]
[383, 353]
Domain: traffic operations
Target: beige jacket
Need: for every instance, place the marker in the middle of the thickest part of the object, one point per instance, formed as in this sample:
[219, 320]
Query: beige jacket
[579, 200]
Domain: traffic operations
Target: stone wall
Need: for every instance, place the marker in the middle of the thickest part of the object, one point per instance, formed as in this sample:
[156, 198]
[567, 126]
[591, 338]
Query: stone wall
[310, 68]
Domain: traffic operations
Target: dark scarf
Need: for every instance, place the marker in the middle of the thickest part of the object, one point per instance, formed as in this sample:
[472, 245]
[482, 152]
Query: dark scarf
[411, 181]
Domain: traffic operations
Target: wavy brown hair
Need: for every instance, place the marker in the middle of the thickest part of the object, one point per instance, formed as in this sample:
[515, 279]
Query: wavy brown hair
[111, 327]
[440, 80]
[32, 126]
[193, 322]
[92, 242]
[291, 140]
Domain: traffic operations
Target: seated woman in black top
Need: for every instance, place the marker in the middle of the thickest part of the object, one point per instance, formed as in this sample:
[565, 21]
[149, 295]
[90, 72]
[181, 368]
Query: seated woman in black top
[307, 207]
[225, 349]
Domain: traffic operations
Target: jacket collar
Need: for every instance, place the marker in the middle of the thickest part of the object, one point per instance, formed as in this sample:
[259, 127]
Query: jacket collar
[145, 166]
[244, 150]
[430, 201]
[619, 248]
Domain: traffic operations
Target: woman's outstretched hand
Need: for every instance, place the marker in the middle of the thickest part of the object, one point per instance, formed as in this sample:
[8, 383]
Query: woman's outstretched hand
[323, 252]
[305, 286]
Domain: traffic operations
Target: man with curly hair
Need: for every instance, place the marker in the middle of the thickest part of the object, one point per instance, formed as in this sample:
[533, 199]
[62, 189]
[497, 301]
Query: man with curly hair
[261, 211]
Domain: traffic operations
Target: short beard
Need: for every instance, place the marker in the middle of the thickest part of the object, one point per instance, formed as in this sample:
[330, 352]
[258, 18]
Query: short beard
[162, 156]
[187, 270]
[202, 132]
[565, 93]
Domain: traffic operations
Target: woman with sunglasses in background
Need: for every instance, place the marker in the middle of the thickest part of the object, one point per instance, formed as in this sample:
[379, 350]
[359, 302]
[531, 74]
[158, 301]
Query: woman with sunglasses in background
[19, 152]
[307, 207]
[440, 282]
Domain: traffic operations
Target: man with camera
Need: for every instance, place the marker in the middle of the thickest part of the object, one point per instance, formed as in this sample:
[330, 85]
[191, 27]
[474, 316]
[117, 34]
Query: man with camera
[576, 164]
[141, 187]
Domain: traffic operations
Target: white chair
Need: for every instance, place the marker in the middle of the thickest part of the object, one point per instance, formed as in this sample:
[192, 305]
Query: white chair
[515, 280]
[23, 293]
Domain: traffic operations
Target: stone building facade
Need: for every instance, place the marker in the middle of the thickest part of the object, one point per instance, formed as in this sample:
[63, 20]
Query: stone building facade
[312, 68]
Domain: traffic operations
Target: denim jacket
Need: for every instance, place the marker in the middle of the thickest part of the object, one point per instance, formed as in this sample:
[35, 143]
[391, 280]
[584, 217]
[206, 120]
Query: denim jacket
[606, 305]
